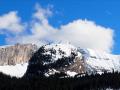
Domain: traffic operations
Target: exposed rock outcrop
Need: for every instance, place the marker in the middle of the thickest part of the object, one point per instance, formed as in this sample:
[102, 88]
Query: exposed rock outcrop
[77, 66]
[16, 54]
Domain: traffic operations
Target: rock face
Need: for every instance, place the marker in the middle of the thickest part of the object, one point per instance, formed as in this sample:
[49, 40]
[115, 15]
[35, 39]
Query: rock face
[16, 54]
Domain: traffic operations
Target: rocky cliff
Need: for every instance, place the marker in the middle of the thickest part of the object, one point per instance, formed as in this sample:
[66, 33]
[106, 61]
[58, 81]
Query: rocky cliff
[19, 53]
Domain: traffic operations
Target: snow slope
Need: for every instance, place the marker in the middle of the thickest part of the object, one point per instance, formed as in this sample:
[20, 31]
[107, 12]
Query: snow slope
[18, 70]
[101, 61]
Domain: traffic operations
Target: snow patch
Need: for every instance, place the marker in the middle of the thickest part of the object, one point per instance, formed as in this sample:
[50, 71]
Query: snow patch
[71, 74]
[17, 70]
[51, 72]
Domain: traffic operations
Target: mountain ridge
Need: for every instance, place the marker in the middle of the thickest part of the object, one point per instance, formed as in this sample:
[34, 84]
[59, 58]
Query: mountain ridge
[66, 58]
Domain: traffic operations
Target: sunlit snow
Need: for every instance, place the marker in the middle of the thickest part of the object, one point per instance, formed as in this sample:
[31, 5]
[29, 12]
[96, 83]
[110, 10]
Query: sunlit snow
[17, 70]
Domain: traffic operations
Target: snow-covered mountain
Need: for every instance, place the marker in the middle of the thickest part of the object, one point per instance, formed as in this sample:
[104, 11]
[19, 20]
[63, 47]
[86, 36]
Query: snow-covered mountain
[57, 58]
[66, 58]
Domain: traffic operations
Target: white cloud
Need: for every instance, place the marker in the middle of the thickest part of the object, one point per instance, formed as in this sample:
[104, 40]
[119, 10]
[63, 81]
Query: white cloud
[82, 33]
[40, 28]
[10, 22]
[87, 34]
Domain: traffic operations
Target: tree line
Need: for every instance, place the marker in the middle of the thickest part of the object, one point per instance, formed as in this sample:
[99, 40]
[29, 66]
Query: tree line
[54, 82]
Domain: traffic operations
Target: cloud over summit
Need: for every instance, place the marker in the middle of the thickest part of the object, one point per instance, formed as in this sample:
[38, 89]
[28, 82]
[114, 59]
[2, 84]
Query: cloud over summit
[81, 33]
[87, 34]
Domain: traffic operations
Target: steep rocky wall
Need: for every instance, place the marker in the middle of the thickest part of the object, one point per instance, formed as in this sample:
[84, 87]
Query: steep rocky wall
[18, 53]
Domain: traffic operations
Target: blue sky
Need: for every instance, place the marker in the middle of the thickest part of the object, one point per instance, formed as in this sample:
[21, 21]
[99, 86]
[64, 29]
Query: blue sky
[102, 12]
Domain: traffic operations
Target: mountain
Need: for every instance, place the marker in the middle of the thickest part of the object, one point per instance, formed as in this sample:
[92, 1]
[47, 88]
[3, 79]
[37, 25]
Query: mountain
[70, 60]
[55, 59]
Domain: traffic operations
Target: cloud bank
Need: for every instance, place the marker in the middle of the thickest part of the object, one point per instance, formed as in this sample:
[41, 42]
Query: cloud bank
[81, 33]
[87, 34]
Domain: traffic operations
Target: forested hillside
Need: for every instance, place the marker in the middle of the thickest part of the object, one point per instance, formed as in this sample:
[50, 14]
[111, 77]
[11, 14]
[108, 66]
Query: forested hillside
[93, 82]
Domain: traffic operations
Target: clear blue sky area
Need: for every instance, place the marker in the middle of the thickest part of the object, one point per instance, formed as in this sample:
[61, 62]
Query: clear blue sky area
[102, 12]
